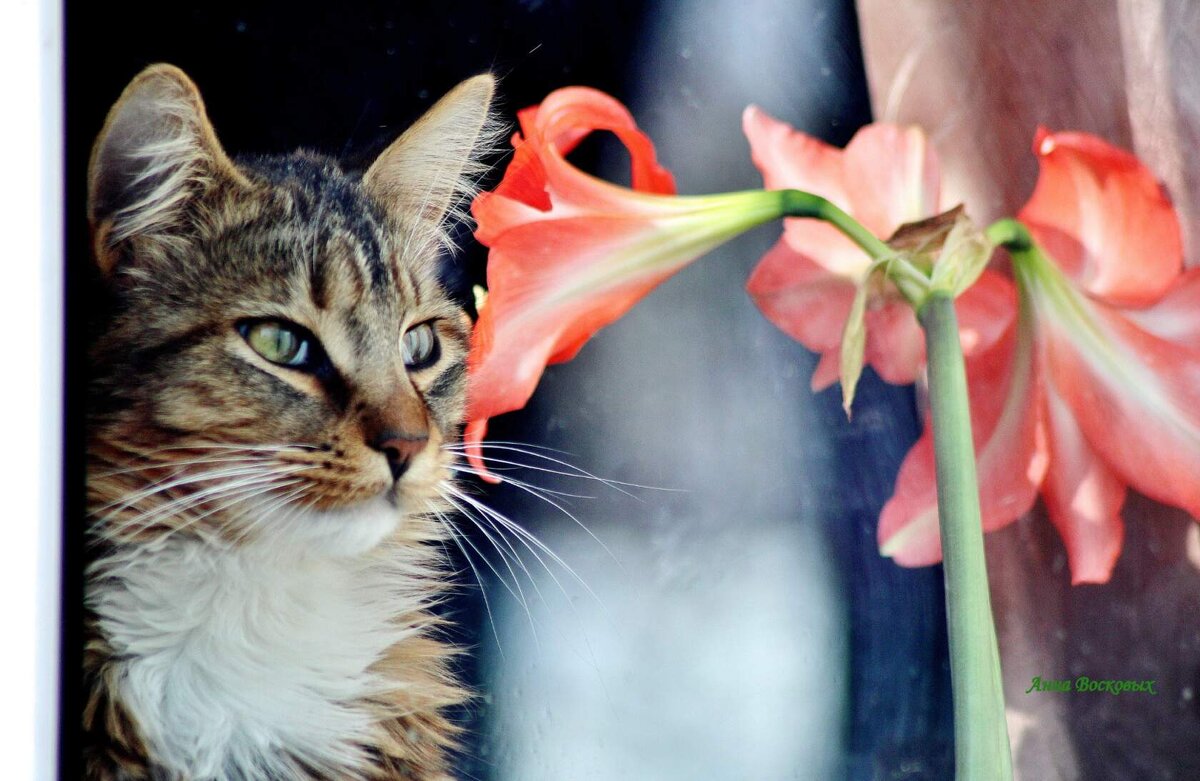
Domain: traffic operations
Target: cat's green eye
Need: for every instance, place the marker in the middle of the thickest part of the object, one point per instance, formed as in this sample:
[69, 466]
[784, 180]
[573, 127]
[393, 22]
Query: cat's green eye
[419, 346]
[278, 342]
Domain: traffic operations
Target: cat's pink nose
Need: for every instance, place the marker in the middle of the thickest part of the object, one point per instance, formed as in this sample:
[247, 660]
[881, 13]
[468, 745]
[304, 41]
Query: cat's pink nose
[399, 449]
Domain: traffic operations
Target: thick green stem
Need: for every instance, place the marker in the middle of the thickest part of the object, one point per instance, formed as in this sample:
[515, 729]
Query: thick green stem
[982, 750]
[980, 732]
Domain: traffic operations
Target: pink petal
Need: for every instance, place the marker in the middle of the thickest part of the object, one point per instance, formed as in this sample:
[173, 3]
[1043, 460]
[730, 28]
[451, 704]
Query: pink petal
[828, 371]
[1136, 398]
[1104, 218]
[789, 159]
[1083, 497]
[895, 343]
[537, 313]
[802, 298]
[892, 177]
[544, 223]
[986, 311]
[1176, 317]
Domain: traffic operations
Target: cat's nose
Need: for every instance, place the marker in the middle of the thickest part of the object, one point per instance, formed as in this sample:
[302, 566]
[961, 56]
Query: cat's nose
[399, 449]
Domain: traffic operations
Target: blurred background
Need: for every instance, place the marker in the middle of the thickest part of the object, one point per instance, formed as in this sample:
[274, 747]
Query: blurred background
[726, 617]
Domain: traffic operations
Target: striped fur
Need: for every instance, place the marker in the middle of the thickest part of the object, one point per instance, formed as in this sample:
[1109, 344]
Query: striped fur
[259, 590]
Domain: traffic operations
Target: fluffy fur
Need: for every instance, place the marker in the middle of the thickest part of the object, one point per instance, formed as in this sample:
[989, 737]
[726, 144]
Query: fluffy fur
[258, 599]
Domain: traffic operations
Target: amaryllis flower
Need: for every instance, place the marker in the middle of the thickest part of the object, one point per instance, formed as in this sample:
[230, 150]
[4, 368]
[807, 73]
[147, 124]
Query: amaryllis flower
[1102, 391]
[1118, 345]
[570, 253]
[886, 176]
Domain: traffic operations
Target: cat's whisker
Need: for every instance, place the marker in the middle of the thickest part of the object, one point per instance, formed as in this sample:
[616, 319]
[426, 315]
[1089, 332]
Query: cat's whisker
[527, 538]
[130, 469]
[574, 471]
[185, 503]
[247, 494]
[263, 514]
[189, 499]
[487, 605]
[541, 494]
[516, 593]
[222, 482]
[467, 470]
[496, 539]
[189, 478]
[499, 545]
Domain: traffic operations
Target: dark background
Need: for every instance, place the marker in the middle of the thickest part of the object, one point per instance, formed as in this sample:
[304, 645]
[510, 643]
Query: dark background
[345, 79]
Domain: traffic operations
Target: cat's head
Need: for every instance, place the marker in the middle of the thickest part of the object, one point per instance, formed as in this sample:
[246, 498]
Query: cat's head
[274, 352]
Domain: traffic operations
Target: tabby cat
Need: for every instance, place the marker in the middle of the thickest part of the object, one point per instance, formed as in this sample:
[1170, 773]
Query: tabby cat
[275, 375]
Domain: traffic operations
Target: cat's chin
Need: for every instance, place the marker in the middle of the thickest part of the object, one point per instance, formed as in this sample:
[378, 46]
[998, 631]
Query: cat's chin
[341, 531]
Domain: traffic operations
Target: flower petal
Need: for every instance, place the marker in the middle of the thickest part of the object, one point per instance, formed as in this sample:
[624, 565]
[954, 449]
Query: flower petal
[789, 159]
[986, 311]
[895, 342]
[1176, 317]
[892, 176]
[1104, 218]
[1083, 497]
[570, 253]
[1136, 398]
[801, 297]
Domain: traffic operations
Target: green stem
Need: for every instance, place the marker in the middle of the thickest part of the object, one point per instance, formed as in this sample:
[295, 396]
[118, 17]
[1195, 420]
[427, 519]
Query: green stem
[797, 203]
[1010, 234]
[980, 733]
[982, 751]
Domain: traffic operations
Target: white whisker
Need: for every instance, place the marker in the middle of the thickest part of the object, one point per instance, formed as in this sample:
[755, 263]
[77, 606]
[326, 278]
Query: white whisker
[487, 605]
[530, 540]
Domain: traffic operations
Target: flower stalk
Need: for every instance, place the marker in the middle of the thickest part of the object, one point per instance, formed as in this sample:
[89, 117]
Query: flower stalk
[797, 203]
[980, 732]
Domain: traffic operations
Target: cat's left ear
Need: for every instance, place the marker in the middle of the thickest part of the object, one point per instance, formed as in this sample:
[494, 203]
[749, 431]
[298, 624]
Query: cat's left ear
[155, 158]
[426, 174]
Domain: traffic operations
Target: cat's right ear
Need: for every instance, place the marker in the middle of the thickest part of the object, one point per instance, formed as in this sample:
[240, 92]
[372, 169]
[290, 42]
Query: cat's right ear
[156, 154]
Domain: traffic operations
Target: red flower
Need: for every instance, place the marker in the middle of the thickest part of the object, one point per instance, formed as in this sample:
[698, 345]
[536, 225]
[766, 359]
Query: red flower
[570, 253]
[1118, 343]
[1106, 366]
[885, 177]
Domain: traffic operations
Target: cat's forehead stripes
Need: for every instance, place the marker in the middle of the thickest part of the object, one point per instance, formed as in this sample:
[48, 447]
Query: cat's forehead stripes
[323, 199]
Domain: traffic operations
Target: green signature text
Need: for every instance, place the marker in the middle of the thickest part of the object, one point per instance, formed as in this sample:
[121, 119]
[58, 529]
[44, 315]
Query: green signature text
[1086, 684]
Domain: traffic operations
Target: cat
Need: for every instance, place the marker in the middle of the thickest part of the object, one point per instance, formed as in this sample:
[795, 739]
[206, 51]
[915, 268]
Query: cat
[275, 375]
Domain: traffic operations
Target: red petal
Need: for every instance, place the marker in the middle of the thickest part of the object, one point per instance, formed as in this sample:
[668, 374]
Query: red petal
[473, 436]
[789, 159]
[1176, 317]
[895, 343]
[1082, 496]
[1135, 397]
[828, 371]
[801, 297]
[544, 222]
[532, 316]
[1010, 455]
[892, 177]
[1104, 218]
[568, 115]
[986, 311]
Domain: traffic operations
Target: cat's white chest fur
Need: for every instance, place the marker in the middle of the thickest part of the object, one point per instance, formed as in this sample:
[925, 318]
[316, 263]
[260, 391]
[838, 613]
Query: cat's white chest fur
[232, 658]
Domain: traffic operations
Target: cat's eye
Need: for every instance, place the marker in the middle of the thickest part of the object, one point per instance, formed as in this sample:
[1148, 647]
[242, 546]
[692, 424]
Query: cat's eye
[280, 342]
[419, 346]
